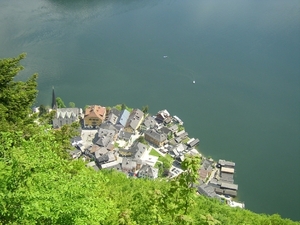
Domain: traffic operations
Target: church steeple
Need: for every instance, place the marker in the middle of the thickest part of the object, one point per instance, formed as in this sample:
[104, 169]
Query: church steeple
[54, 104]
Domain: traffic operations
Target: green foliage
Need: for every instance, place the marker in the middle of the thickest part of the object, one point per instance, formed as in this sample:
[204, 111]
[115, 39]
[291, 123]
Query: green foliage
[180, 128]
[42, 110]
[63, 136]
[38, 187]
[60, 103]
[71, 104]
[142, 140]
[145, 109]
[16, 97]
[164, 163]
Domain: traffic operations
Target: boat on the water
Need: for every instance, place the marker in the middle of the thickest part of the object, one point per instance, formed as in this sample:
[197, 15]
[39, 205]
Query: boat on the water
[194, 81]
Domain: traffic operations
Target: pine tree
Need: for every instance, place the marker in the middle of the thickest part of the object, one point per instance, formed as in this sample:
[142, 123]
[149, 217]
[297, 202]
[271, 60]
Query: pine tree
[16, 97]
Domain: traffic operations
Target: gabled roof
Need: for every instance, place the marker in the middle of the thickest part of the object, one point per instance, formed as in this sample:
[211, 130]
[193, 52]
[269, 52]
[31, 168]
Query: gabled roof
[148, 171]
[140, 150]
[113, 115]
[165, 130]
[160, 137]
[149, 122]
[95, 111]
[223, 162]
[125, 135]
[128, 164]
[124, 117]
[67, 113]
[135, 118]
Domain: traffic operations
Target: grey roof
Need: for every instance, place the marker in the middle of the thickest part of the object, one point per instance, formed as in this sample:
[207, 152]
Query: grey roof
[65, 116]
[128, 164]
[223, 162]
[103, 159]
[67, 112]
[229, 186]
[115, 112]
[149, 122]
[165, 130]
[148, 171]
[232, 193]
[195, 142]
[207, 190]
[103, 141]
[100, 152]
[123, 117]
[135, 118]
[205, 164]
[140, 149]
[111, 156]
[125, 135]
[160, 137]
[173, 128]
[105, 137]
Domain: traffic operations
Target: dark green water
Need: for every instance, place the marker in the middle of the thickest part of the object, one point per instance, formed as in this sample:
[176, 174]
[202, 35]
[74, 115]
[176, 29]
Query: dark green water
[243, 55]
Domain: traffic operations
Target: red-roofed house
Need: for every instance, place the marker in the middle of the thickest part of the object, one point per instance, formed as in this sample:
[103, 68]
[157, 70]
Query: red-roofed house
[94, 115]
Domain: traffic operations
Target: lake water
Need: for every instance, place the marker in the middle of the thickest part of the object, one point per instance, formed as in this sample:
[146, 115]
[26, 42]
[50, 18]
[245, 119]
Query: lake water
[243, 55]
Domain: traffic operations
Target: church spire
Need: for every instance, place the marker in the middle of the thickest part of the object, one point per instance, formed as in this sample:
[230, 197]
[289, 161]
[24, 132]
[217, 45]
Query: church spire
[54, 104]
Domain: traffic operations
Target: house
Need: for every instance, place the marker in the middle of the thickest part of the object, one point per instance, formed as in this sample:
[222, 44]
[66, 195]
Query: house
[141, 151]
[105, 137]
[128, 165]
[113, 116]
[75, 154]
[224, 163]
[178, 120]
[126, 136]
[76, 141]
[163, 116]
[100, 152]
[134, 121]
[207, 190]
[123, 118]
[173, 128]
[156, 138]
[165, 130]
[148, 172]
[65, 116]
[149, 123]
[94, 115]
[194, 143]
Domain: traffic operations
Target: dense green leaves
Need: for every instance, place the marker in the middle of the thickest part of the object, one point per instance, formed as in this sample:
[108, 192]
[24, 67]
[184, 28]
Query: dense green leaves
[16, 97]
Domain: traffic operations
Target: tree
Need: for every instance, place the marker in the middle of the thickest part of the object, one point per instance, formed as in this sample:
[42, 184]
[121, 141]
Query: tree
[145, 109]
[123, 106]
[42, 110]
[71, 104]
[38, 187]
[16, 97]
[60, 103]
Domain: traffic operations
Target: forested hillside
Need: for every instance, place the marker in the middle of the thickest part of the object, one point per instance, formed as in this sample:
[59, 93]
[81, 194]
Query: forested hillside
[40, 185]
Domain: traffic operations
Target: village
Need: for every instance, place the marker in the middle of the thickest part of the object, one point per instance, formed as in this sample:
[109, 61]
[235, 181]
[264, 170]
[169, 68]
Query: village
[141, 145]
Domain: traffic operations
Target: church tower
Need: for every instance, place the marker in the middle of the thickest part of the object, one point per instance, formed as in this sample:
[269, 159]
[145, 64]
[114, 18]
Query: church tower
[54, 104]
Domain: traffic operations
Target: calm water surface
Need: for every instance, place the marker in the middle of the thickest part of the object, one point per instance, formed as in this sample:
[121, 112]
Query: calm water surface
[243, 55]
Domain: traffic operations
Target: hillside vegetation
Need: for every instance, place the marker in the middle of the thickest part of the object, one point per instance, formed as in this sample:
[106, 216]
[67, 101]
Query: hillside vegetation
[40, 185]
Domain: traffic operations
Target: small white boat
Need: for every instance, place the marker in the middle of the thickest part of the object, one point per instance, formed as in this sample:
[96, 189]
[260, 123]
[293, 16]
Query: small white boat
[194, 81]
[165, 56]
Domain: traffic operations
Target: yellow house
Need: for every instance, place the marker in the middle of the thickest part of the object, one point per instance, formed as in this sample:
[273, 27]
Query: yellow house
[94, 115]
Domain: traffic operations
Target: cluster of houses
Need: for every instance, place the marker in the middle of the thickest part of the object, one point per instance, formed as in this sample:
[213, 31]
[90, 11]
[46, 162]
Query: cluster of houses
[111, 139]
